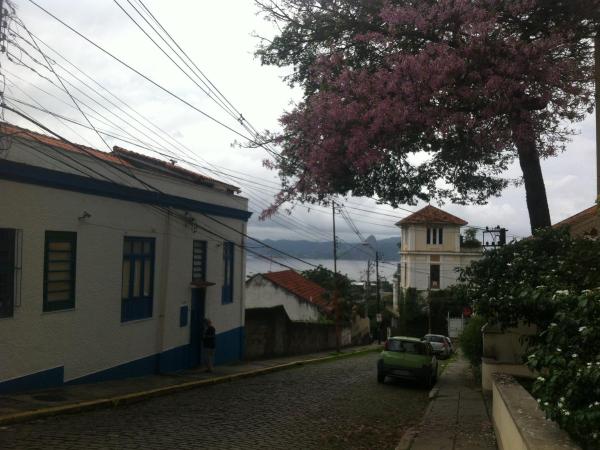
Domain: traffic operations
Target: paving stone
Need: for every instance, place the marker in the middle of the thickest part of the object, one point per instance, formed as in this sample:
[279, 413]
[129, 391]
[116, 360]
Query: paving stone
[457, 419]
[297, 408]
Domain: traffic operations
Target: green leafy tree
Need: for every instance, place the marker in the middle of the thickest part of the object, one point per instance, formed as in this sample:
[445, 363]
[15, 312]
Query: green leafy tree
[470, 239]
[349, 297]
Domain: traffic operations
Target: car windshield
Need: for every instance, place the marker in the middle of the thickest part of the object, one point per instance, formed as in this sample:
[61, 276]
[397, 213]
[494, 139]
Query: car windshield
[416, 348]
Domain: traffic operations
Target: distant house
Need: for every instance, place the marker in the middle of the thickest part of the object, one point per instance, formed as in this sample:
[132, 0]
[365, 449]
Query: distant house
[109, 263]
[585, 223]
[302, 299]
[431, 250]
[287, 314]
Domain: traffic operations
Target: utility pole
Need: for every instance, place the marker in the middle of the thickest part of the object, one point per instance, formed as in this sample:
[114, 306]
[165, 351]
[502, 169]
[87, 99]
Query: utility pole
[335, 285]
[429, 303]
[496, 235]
[380, 324]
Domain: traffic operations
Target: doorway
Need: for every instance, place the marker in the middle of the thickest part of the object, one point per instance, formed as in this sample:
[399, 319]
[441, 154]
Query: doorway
[196, 326]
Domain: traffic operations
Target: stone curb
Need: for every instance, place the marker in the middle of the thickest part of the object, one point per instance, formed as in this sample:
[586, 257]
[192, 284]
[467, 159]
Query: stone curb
[135, 397]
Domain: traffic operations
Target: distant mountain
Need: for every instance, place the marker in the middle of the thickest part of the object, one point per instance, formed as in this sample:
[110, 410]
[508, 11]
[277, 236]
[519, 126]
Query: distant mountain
[387, 248]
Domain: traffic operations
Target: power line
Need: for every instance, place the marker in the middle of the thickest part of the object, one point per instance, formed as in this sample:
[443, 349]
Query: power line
[363, 221]
[162, 88]
[249, 127]
[96, 45]
[157, 190]
[196, 224]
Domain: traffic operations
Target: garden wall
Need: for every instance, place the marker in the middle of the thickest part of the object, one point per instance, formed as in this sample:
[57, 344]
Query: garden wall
[269, 332]
[503, 352]
[519, 423]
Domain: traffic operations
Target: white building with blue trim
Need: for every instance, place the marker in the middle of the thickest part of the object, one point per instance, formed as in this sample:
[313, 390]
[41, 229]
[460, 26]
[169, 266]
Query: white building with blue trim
[109, 262]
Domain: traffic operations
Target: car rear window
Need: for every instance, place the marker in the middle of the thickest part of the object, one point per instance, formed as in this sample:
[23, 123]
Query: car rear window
[415, 348]
[434, 338]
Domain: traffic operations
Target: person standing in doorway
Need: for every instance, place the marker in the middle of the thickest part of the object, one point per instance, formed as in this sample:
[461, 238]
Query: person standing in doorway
[208, 344]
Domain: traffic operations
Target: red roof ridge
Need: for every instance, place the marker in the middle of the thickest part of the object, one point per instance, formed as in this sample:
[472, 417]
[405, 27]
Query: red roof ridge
[9, 129]
[431, 214]
[118, 155]
[171, 167]
[578, 216]
[300, 286]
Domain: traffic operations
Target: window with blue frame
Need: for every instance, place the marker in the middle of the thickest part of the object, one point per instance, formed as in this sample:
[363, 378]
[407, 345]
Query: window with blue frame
[137, 292]
[59, 270]
[227, 289]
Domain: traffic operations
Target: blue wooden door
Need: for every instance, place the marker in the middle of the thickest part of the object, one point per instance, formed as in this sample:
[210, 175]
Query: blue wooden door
[196, 326]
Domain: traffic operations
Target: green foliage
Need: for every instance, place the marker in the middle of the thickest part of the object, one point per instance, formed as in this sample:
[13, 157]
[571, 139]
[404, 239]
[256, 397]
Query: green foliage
[568, 355]
[349, 296]
[551, 280]
[414, 320]
[470, 239]
[471, 340]
[517, 281]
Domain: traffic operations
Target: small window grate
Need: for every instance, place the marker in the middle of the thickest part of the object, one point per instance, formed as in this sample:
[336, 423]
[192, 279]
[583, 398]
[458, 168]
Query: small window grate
[199, 261]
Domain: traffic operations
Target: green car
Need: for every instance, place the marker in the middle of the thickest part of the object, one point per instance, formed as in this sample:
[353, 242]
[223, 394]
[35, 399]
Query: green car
[408, 357]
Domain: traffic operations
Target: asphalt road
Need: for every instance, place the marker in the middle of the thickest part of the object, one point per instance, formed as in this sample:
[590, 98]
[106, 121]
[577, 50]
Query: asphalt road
[333, 405]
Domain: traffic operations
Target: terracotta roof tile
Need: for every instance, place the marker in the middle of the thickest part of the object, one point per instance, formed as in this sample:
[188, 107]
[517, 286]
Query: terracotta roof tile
[580, 216]
[172, 168]
[300, 287]
[431, 214]
[118, 156]
[13, 130]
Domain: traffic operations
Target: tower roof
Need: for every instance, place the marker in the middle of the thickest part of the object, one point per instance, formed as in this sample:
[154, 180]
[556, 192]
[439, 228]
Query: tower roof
[431, 214]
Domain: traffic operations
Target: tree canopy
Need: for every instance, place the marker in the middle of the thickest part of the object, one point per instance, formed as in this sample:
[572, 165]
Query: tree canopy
[428, 100]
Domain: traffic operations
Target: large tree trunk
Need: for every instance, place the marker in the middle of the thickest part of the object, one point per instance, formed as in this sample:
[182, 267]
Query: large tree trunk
[529, 159]
[597, 78]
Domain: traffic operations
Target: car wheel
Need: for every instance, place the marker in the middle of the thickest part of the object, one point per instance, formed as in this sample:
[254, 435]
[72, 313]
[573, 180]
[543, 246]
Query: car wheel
[380, 376]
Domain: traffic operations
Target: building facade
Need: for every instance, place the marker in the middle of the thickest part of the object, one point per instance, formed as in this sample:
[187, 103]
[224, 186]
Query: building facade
[109, 262]
[302, 300]
[431, 250]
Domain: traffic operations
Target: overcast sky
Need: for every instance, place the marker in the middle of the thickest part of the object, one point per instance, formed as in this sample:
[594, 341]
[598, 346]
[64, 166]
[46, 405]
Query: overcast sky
[218, 36]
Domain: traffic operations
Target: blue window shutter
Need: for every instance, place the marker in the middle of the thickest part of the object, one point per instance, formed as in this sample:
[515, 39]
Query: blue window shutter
[183, 316]
[228, 265]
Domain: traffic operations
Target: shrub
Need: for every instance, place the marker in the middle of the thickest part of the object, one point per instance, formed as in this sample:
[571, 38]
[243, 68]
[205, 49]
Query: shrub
[471, 340]
[551, 280]
[513, 282]
[567, 355]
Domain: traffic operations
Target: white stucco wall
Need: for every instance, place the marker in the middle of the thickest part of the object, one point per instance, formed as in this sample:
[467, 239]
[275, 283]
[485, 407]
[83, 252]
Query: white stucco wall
[91, 337]
[262, 293]
[416, 256]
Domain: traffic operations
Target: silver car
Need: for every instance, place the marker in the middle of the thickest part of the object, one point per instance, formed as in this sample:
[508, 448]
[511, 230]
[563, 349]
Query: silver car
[439, 344]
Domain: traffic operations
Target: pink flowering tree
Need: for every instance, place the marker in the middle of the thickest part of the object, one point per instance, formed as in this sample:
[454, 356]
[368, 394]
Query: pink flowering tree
[426, 100]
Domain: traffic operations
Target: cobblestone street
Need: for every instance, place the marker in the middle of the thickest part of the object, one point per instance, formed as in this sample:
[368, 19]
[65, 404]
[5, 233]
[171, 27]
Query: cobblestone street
[333, 405]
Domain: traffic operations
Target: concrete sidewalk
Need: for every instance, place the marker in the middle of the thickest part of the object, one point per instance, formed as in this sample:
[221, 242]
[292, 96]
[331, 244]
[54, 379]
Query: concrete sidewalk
[457, 418]
[74, 398]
